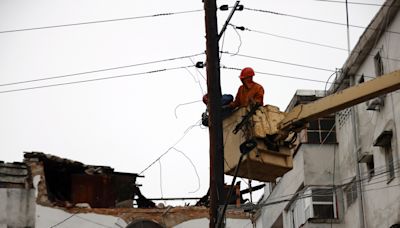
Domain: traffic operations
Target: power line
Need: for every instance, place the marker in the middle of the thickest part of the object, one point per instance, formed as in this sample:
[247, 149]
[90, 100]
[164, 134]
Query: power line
[93, 222]
[382, 174]
[182, 104]
[363, 178]
[290, 196]
[196, 79]
[295, 64]
[66, 219]
[304, 41]
[172, 147]
[279, 75]
[76, 215]
[319, 192]
[96, 79]
[100, 70]
[315, 20]
[100, 21]
[194, 167]
[310, 195]
[161, 188]
[288, 38]
[240, 41]
[354, 3]
[282, 62]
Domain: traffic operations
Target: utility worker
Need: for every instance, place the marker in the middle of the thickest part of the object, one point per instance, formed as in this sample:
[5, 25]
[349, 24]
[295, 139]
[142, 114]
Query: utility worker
[250, 92]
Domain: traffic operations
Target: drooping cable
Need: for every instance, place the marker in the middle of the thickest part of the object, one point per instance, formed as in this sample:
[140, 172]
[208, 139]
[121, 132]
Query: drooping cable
[161, 185]
[240, 41]
[187, 103]
[304, 41]
[354, 3]
[327, 81]
[170, 148]
[196, 80]
[279, 75]
[195, 170]
[66, 219]
[290, 38]
[313, 19]
[282, 62]
[99, 70]
[95, 79]
[100, 21]
[197, 70]
[93, 222]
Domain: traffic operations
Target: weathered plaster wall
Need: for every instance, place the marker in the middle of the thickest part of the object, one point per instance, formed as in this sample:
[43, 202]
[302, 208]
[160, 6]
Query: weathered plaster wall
[380, 198]
[312, 165]
[204, 222]
[17, 207]
[318, 164]
[169, 217]
[48, 217]
[288, 185]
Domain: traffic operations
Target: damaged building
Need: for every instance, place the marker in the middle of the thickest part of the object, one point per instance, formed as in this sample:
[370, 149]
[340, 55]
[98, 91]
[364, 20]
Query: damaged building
[49, 191]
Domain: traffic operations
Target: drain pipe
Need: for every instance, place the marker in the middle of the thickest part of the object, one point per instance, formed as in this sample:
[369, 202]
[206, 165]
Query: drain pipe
[356, 133]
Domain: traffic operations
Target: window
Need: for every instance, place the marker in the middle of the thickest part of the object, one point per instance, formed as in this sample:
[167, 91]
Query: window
[378, 64]
[389, 162]
[321, 204]
[371, 167]
[315, 203]
[350, 192]
[297, 213]
[320, 131]
[384, 141]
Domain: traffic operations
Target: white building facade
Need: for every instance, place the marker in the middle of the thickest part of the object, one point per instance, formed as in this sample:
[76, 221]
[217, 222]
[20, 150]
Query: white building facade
[346, 169]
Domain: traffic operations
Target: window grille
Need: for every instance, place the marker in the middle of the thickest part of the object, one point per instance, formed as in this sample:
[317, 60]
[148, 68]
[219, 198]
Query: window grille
[343, 116]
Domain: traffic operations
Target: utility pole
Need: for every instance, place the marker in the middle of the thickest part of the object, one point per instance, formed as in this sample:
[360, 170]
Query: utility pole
[214, 108]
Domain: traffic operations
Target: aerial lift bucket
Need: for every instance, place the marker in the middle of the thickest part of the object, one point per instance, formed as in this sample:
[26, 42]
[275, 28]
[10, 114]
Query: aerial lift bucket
[262, 163]
[271, 128]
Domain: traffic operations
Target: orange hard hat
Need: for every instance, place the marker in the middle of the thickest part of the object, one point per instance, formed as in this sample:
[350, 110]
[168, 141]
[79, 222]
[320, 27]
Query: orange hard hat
[246, 72]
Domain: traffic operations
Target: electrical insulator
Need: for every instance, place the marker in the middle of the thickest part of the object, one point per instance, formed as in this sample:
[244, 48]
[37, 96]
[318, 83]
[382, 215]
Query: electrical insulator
[200, 64]
[224, 7]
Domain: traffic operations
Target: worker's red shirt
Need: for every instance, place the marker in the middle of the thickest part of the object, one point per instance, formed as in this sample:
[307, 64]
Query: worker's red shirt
[252, 93]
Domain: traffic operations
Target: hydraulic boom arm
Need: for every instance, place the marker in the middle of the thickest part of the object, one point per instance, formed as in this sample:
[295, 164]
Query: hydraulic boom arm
[302, 114]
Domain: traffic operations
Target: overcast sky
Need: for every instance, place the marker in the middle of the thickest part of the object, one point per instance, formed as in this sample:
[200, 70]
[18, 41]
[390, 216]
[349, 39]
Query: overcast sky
[128, 122]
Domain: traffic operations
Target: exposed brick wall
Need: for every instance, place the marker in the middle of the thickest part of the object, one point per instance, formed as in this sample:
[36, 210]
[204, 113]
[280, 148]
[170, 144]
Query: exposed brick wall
[36, 169]
[166, 217]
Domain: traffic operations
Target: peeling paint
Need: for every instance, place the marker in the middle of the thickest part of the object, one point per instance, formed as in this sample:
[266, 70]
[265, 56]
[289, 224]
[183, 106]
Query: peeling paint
[36, 180]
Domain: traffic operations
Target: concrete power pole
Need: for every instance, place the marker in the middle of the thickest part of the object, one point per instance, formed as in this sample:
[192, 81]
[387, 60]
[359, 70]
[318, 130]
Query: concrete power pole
[214, 108]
